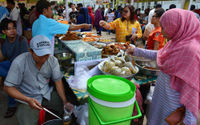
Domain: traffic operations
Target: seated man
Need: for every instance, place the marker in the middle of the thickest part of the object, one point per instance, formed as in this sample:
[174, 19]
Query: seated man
[28, 82]
[11, 47]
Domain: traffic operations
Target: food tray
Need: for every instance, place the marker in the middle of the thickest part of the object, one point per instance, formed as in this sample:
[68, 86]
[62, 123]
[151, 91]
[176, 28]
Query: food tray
[147, 71]
[102, 63]
[106, 41]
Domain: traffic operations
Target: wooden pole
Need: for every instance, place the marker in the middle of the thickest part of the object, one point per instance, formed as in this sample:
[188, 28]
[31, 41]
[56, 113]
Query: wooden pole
[186, 4]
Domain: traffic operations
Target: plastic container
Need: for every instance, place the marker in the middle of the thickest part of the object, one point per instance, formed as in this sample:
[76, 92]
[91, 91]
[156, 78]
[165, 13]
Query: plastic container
[82, 50]
[111, 100]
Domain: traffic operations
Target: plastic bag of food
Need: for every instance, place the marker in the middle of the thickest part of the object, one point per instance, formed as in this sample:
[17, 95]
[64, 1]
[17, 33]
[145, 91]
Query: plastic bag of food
[150, 95]
[81, 113]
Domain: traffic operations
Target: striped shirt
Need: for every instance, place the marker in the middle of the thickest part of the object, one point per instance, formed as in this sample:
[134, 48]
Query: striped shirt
[165, 99]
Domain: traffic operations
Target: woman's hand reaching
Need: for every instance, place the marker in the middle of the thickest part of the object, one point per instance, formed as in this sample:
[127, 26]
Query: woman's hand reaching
[102, 23]
[130, 50]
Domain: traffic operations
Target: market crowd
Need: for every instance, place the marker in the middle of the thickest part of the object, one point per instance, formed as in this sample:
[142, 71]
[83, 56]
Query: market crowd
[27, 65]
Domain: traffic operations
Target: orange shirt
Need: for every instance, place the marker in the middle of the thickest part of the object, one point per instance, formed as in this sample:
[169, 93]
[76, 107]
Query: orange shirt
[155, 35]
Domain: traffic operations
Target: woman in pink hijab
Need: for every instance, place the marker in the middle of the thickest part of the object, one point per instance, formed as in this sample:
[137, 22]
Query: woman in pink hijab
[178, 83]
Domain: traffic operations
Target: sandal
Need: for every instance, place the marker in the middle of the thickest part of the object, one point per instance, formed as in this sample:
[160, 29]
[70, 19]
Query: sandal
[10, 112]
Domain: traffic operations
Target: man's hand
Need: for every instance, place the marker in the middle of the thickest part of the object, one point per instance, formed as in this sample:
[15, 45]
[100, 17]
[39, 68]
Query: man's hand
[69, 107]
[102, 23]
[130, 50]
[13, 92]
[81, 26]
[33, 103]
[87, 26]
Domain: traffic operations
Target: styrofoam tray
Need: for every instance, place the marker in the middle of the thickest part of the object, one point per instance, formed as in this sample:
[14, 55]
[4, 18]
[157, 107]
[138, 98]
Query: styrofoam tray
[102, 63]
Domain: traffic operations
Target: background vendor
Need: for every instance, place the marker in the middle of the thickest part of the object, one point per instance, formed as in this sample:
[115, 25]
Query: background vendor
[49, 27]
[126, 27]
[156, 40]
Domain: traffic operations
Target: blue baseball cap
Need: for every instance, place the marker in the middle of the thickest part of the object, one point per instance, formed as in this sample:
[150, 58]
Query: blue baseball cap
[41, 45]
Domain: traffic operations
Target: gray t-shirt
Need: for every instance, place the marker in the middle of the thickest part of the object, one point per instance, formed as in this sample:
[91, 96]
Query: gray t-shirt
[12, 50]
[34, 83]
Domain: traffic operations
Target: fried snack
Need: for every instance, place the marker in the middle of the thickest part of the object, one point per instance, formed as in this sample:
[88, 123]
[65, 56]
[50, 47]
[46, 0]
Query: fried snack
[122, 46]
[114, 49]
[110, 50]
[88, 34]
[89, 39]
[105, 40]
[71, 36]
[96, 36]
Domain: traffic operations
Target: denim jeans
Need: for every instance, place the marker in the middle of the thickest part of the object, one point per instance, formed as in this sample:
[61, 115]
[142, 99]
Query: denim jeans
[4, 68]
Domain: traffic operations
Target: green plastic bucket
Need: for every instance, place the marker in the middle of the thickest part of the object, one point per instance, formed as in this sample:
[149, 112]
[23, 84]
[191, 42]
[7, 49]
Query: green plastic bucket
[111, 100]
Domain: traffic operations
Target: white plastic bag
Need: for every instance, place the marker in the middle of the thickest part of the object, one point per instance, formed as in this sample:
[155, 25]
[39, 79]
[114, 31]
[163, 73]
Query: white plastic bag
[79, 80]
[81, 113]
[82, 73]
[150, 95]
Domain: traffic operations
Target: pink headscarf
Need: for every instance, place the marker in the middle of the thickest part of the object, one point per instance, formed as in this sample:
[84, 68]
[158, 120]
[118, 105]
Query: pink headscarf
[180, 57]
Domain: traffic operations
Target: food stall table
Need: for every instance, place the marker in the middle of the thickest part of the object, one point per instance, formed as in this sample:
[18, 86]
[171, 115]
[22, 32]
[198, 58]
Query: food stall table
[81, 95]
[141, 79]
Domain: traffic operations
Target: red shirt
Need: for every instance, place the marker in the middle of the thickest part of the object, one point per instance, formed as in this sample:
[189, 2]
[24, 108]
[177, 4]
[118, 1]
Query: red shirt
[155, 35]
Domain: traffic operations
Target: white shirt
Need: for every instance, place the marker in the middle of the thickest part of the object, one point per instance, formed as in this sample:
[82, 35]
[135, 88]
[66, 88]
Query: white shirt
[105, 12]
[110, 17]
[68, 12]
[197, 15]
[150, 27]
[15, 16]
[151, 13]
